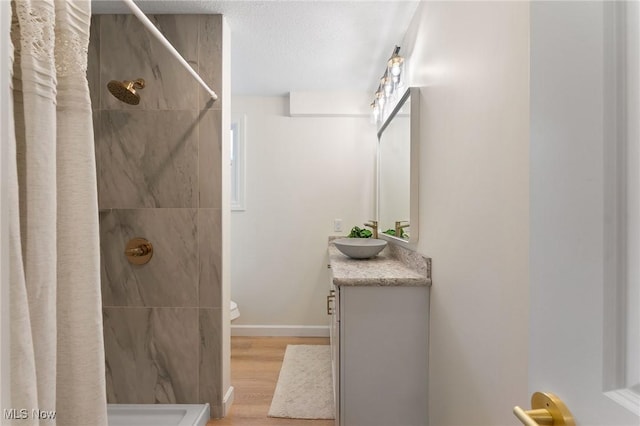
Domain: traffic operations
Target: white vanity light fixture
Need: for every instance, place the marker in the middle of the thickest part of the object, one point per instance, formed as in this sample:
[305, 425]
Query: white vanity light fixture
[391, 83]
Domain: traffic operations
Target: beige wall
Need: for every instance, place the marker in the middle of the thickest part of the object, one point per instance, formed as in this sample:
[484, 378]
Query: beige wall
[302, 173]
[472, 61]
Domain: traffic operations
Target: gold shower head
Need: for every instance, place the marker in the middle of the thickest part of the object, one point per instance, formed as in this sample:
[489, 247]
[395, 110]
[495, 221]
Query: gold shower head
[126, 90]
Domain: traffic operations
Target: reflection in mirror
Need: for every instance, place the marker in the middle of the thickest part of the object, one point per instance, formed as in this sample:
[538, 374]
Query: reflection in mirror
[398, 170]
[393, 173]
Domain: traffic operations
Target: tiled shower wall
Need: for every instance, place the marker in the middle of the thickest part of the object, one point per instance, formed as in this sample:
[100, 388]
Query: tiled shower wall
[159, 177]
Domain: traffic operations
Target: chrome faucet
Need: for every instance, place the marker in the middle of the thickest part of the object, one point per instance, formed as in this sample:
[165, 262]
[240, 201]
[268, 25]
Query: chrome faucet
[373, 224]
[400, 227]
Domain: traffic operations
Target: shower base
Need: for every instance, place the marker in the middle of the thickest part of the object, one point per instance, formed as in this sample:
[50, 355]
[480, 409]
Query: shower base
[158, 414]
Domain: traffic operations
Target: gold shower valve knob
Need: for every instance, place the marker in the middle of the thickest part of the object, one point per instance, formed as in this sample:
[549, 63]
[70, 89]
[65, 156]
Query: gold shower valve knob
[138, 251]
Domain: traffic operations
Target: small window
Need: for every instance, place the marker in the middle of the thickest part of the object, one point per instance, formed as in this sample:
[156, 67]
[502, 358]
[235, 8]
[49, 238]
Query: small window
[237, 154]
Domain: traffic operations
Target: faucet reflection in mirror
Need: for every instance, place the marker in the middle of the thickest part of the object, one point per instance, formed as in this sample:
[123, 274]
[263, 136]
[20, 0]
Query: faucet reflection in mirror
[391, 84]
[399, 229]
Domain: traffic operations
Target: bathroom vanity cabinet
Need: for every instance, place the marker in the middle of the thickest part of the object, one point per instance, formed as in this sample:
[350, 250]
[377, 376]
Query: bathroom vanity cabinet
[379, 339]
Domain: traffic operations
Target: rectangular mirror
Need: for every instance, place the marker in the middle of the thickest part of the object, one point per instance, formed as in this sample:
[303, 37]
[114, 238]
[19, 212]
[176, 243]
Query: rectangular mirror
[398, 170]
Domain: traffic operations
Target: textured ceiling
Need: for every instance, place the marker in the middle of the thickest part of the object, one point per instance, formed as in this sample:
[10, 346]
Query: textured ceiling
[283, 46]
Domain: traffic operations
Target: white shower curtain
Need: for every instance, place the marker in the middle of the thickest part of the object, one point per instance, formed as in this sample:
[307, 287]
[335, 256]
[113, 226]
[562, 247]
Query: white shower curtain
[57, 351]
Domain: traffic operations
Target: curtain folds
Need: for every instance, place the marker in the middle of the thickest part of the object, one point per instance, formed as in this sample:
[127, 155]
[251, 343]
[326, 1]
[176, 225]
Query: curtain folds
[57, 350]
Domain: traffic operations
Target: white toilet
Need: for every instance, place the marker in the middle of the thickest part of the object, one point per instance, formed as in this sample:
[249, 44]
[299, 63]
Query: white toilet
[234, 311]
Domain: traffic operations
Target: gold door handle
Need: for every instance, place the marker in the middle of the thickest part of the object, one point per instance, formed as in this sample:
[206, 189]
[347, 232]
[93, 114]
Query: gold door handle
[547, 409]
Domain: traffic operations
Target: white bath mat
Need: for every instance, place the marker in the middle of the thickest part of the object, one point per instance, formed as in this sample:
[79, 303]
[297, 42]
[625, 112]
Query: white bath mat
[305, 388]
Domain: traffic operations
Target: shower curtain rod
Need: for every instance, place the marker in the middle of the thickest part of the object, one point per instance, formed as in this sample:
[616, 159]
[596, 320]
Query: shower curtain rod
[149, 25]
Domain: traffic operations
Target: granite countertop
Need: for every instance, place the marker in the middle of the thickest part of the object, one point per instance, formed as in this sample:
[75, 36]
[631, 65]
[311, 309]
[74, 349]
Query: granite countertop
[389, 268]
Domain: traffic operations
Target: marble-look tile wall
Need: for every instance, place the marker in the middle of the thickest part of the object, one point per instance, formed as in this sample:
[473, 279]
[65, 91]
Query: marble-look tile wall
[159, 177]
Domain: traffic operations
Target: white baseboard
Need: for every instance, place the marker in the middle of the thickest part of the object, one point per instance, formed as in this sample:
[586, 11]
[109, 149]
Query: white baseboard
[227, 401]
[280, 330]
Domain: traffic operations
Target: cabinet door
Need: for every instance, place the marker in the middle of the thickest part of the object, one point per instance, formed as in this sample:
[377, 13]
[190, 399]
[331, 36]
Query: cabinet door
[383, 355]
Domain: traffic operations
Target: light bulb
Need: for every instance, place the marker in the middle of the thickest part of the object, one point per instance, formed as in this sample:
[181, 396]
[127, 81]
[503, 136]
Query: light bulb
[395, 68]
[387, 85]
[380, 95]
[375, 111]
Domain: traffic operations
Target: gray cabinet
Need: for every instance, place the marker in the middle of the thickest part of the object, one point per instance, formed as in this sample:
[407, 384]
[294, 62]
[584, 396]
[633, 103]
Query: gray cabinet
[379, 338]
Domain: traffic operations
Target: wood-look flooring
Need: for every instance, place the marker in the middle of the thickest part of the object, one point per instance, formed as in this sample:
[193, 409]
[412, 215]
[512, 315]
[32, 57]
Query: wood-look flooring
[255, 366]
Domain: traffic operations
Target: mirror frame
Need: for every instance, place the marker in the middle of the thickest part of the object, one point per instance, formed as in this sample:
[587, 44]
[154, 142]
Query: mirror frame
[414, 165]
